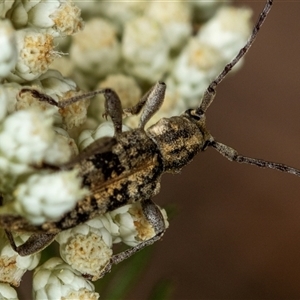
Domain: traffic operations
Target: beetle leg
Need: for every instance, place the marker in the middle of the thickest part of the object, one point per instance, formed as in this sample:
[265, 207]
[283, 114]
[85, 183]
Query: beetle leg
[35, 243]
[113, 106]
[151, 102]
[155, 218]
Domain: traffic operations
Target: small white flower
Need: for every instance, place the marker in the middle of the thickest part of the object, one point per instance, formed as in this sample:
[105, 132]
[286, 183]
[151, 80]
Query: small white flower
[23, 13]
[27, 137]
[35, 54]
[7, 292]
[8, 46]
[57, 280]
[133, 225]
[227, 31]
[96, 49]
[86, 247]
[175, 20]
[64, 17]
[55, 16]
[127, 230]
[56, 85]
[146, 56]
[9, 90]
[87, 137]
[118, 14]
[63, 138]
[47, 197]
[104, 129]
[193, 70]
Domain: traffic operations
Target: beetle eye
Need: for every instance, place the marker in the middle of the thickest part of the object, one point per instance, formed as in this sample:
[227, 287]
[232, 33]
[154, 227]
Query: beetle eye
[194, 114]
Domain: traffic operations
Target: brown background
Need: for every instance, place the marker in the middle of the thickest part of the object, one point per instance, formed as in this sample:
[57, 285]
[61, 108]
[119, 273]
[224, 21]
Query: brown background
[237, 231]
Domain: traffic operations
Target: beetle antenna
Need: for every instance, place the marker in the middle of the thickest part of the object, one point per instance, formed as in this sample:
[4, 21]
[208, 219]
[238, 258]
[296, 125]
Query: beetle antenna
[210, 92]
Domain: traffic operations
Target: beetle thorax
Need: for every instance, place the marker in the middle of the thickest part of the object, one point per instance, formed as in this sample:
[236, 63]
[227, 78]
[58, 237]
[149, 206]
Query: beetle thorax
[178, 139]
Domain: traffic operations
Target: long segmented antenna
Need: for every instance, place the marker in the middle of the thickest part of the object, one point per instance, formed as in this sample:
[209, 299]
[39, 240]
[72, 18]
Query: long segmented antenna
[211, 90]
[228, 152]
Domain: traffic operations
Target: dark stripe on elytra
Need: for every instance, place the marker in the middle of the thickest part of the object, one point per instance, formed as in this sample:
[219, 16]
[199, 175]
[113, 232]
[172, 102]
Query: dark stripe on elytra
[94, 203]
[114, 202]
[123, 191]
[107, 163]
[140, 149]
[68, 222]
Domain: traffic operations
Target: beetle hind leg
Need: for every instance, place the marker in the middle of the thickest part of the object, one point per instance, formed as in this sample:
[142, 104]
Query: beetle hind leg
[154, 216]
[35, 243]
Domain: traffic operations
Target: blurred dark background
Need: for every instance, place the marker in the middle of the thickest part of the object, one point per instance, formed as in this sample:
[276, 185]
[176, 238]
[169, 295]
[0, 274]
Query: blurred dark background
[236, 234]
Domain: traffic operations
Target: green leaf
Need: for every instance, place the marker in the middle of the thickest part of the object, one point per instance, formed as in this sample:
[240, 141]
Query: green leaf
[162, 290]
[124, 276]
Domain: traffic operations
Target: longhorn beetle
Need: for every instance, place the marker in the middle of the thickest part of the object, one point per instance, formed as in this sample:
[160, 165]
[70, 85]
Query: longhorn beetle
[127, 167]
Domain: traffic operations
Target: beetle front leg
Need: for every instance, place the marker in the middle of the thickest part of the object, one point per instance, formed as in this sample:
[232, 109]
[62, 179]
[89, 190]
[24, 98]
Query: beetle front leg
[154, 216]
[151, 102]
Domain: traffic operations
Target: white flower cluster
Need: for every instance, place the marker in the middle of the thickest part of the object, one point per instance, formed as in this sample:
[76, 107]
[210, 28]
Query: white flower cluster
[55, 16]
[7, 292]
[126, 47]
[57, 280]
[28, 138]
[156, 40]
[88, 247]
[8, 46]
[36, 205]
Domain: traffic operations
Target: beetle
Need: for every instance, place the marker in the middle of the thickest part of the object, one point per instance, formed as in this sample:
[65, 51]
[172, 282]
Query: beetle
[110, 167]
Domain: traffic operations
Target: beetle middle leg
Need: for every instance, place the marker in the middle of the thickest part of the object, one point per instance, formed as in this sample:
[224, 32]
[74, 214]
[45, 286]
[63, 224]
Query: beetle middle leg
[156, 219]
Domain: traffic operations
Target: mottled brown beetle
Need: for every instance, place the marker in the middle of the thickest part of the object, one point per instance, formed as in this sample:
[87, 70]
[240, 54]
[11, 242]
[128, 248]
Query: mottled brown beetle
[128, 167]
